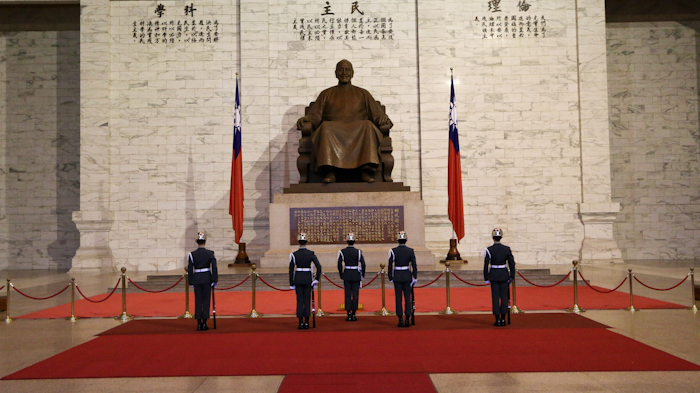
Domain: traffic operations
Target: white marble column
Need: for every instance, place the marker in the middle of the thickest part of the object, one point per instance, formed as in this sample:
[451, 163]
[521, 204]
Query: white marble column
[596, 210]
[94, 219]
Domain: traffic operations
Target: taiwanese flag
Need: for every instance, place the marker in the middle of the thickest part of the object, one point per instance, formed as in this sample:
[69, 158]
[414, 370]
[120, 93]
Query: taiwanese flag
[455, 203]
[235, 206]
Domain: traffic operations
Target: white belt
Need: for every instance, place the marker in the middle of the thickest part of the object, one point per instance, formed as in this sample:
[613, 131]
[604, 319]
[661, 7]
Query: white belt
[400, 267]
[201, 270]
[303, 269]
[499, 266]
[352, 267]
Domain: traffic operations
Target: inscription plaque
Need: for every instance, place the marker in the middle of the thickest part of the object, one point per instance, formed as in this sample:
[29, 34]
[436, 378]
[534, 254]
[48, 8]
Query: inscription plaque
[329, 225]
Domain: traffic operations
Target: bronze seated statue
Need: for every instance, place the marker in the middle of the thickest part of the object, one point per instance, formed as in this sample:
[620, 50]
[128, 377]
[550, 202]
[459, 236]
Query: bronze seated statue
[345, 135]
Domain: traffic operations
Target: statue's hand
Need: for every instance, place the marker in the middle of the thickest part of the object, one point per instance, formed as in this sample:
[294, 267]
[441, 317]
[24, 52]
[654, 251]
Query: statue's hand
[301, 121]
[383, 120]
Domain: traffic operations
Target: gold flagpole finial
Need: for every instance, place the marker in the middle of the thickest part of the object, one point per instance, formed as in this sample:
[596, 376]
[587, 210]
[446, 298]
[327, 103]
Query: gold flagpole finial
[236, 75]
[451, 69]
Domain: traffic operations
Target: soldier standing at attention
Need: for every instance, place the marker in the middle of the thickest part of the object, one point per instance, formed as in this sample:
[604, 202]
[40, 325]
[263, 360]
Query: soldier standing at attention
[203, 276]
[301, 278]
[500, 273]
[352, 275]
[404, 274]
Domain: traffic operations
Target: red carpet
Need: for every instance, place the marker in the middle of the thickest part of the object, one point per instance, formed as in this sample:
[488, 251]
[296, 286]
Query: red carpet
[352, 383]
[358, 352]
[274, 302]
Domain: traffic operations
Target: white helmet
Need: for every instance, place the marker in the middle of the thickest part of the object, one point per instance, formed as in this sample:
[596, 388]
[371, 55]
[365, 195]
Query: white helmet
[302, 237]
[350, 237]
[201, 236]
[497, 232]
[402, 236]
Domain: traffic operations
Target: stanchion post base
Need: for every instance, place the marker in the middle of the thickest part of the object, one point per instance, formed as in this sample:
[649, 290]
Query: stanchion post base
[186, 315]
[384, 312]
[694, 309]
[448, 311]
[253, 314]
[575, 309]
[321, 313]
[72, 318]
[124, 317]
[516, 310]
[8, 319]
[632, 309]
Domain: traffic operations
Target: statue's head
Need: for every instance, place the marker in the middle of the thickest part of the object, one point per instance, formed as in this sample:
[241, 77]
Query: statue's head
[344, 72]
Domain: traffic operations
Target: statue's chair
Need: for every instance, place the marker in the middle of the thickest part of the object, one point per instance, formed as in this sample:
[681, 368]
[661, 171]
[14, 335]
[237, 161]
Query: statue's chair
[305, 162]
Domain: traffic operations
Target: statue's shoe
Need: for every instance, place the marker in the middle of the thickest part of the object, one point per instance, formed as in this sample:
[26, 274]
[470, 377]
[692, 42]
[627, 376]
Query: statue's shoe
[330, 178]
[366, 177]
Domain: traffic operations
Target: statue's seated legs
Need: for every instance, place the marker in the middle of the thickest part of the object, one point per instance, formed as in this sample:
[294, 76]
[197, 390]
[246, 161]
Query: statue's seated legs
[368, 173]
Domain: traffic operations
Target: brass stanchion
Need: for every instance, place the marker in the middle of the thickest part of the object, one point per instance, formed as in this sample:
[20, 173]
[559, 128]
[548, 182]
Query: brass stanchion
[7, 312]
[383, 312]
[575, 308]
[514, 309]
[124, 317]
[692, 308]
[186, 314]
[448, 310]
[319, 311]
[253, 313]
[72, 317]
[631, 308]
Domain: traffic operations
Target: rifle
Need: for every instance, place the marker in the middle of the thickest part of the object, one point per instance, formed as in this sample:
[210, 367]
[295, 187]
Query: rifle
[413, 306]
[213, 301]
[509, 304]
[313, 306]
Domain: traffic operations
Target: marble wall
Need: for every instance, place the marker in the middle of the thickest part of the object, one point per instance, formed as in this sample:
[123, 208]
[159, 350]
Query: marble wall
[40, 138]
[655, 137]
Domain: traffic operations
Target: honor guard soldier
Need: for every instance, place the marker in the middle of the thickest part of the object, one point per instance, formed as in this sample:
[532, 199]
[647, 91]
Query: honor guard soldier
[301, 278]
[499, 270]
[404, 275]
[203, 276]
[352, 275]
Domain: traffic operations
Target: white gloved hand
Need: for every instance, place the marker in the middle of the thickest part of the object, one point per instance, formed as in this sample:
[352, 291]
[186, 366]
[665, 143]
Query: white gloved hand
[314, 283]
[292, 287]
[414, 281]
[488, 282]
[213, 285]
[191, 286]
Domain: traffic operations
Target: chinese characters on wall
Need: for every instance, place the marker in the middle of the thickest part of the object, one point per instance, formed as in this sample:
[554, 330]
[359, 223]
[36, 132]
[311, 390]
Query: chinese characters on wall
[371, 224]
[349, 23]
[506, 19]
[186, 29]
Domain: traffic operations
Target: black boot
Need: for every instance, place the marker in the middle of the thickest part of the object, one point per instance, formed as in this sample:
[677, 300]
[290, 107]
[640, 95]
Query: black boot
[503, 319]
[306, 322]
[401, 321]
[204, 325]
[407, 323]
[301, 323]
[349, 318]
[498, 320]
[199, 325]
[354, 318]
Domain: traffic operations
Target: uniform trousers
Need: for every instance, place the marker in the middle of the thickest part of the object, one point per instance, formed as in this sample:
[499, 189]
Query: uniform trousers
[499, 297]
[303, 300]
[202, 296]
[403, 289]
[352, 291]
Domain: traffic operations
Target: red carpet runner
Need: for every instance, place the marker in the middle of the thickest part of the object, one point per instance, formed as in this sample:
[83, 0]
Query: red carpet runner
[441, 344]
[273, 302]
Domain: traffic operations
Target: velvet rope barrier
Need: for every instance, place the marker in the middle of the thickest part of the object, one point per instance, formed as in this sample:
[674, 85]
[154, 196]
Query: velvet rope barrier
[277, 289]
[598, 290]
[40, 298]
[226, 289]
[163, 290]
[661, 289]
[2, 287]
[468, 283]
[432, 282]
[331, 281]
[99, 301]
[544, 286]
[363, 285]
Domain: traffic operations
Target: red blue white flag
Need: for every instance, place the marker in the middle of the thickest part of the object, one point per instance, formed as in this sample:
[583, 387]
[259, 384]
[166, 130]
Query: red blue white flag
[455, 209]
[235, 207]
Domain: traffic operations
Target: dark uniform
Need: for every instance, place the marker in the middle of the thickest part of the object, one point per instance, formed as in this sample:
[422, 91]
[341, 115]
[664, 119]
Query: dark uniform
[499, 269]
[352, 276]
[202, 272]
[400, 258]
[300, 277]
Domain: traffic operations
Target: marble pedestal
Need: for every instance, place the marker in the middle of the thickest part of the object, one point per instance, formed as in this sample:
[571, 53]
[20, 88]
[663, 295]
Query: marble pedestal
[414, 225]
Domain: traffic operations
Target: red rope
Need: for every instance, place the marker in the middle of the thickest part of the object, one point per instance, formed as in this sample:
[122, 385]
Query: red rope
[363, 285]
[277, 289]
[662, 289]
[468, 283]
[40, 298]
[331, 281]
[2, 287]
[163, 290]
[604, 291]
[544, 286]
[99, 301]
[423, 286]
[226, 289]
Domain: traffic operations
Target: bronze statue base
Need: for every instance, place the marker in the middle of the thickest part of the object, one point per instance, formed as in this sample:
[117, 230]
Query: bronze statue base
[318, 188]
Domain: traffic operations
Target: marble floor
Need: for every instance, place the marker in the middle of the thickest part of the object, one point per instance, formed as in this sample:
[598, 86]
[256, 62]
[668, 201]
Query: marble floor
[25, 342]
